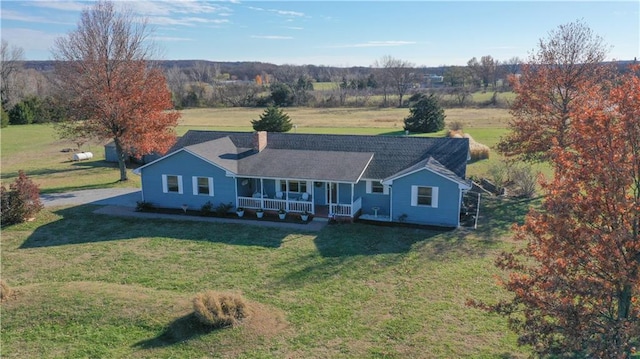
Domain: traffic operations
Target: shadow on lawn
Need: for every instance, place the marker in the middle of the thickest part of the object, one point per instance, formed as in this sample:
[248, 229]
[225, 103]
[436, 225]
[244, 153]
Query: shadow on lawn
[79, 225]
[498, 215]
[180, 330]
[345, 240]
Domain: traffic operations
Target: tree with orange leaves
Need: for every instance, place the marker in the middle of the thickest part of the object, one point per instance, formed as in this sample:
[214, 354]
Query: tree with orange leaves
[566, 63]
[576, 284]
[111, 91]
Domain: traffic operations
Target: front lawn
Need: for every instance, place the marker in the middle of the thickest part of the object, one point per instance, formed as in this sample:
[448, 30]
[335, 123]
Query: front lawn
[97, 286]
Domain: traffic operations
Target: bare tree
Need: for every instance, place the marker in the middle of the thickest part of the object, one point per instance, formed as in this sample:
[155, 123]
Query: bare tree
[512, 65]
[239, 94]
[398, 74]
[11, 58]
[177, 81]
[202, 72]
[484, 71]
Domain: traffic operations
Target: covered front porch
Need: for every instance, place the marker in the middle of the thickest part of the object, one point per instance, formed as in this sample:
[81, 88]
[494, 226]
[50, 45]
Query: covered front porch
[320, 198]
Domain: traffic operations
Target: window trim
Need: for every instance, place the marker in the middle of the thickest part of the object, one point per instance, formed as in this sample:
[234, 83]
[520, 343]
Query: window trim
[287, 186]
[165, 184]
[385, 187]
[196, 186]
[434, 196]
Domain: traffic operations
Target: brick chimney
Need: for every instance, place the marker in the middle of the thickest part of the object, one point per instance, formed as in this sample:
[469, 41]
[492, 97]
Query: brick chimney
[259, 140]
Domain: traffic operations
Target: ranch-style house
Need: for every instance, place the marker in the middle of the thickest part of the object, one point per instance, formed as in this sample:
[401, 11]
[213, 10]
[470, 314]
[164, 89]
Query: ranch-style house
[417, 180]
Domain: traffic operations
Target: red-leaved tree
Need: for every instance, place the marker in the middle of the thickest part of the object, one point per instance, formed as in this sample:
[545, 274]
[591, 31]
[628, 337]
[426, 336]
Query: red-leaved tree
[567, 63]
[576, 284]
[113, 93]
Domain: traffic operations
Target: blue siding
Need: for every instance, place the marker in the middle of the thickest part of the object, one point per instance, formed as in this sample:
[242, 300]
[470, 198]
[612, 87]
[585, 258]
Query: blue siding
[186, 165]
[319, 193]
[370, 200]
[344, 193]
[448, 212]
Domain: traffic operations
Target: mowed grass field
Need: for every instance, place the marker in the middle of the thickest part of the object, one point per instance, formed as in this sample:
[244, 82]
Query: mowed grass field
[89, 285]
[37, 150]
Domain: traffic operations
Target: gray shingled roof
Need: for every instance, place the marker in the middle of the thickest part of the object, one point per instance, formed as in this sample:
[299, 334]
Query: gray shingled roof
[273, 163]
[391, 154]
[432, 165]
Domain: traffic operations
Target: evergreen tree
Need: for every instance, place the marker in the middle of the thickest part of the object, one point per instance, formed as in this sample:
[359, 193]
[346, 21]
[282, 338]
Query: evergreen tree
[21, 114]
[426, 114]
[272, 120]
[281, 94]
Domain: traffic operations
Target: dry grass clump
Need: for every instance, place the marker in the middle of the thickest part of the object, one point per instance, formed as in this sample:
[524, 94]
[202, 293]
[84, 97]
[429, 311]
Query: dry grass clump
[219, 309]
[5, 290]
[477, 150]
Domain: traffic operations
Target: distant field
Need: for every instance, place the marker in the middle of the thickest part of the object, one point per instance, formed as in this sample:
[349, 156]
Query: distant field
[37, 150]
[390, 118]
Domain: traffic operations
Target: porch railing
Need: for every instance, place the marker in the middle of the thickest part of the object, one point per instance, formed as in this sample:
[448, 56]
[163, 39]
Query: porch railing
[350, 210]
[275, 204]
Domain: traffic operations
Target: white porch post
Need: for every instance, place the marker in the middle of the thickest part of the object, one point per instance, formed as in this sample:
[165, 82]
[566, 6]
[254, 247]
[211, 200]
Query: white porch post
[235, 179]
[391, 203]
[352, 200]
[286, 197]
[261, 192]
[328, 188]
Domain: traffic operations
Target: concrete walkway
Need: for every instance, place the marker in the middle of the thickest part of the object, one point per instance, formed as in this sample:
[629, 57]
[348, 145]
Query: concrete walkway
[313, 226]
[122, 202]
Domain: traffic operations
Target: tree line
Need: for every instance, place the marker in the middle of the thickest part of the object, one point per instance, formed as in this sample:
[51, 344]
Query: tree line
[28, 87]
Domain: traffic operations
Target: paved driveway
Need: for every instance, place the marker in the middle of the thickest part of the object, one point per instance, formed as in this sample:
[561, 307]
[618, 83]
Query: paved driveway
[124, 197]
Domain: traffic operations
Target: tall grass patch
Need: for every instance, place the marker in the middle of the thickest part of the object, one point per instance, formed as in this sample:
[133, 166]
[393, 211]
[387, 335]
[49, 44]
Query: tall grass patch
[477, 150]
[219, 310]
[5, 290]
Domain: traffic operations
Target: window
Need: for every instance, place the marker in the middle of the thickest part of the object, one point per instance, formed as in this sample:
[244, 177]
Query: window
[377, 187]
[203, 186]
[172, 184]
[294, 186]
[424, 196]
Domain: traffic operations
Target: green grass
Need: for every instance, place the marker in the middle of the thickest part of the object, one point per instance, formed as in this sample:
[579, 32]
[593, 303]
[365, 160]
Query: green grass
[89, 285]
[37, 150]
[118, 287]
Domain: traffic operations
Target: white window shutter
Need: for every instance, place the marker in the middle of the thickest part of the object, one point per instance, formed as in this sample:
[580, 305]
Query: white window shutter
[369, 187]
[211, 186]
[278, 184]
[164, 184]
[180, 189]
[195, 185]
[434, 197]
[309, 187]
[414, 195]
[385, 189]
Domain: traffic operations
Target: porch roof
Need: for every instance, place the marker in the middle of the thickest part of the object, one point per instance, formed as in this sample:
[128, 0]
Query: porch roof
[284, 163]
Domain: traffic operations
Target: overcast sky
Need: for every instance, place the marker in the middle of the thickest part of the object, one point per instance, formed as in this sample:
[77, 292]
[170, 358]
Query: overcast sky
[337, 33]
